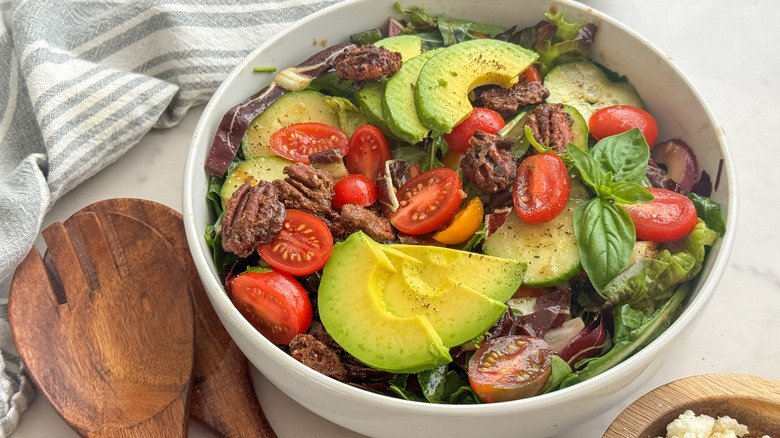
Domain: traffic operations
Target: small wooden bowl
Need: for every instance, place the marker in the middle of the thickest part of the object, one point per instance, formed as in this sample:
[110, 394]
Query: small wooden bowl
[752, 401]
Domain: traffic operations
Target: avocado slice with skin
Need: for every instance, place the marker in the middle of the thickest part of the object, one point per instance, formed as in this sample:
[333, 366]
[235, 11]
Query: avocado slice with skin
[399, 105]
[402, 312]
[442, 88]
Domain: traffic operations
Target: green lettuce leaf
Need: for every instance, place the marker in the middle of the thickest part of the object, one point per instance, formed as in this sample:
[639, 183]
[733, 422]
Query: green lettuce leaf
[633, 330]
[649, 280]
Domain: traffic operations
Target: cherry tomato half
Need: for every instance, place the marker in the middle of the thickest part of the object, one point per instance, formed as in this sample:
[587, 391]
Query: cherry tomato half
[670, 216]
[531, 74]
[274, 303]
[427, 201]
[299, 140]
[367, 152]
[510, 368]
[354, 189]
[463, 225]
[541, 188]
[480, 118]
[617, 119]
[302, 247]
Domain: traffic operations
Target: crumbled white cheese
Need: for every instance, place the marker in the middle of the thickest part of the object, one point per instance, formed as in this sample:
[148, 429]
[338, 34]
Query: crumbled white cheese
[690, 425]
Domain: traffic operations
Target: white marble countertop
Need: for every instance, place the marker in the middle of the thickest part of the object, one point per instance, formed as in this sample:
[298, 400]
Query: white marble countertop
[729, 51]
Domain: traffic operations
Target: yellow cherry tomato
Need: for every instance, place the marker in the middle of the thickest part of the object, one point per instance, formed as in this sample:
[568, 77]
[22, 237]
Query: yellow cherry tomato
[463, 225]
[452, 160]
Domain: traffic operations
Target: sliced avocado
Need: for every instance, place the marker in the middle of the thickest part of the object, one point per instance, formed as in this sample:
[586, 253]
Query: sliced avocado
[368, 288]
[399, 106]
[586, 87]
[351, 309]
[369, 96]
[497, 278]
[454, 310]
[299, 107]
[253, 171]
[441, 92]
[408, 46]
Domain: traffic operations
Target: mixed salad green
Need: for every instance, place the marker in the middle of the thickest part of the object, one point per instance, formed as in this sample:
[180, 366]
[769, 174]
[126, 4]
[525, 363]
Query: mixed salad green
[490, 219]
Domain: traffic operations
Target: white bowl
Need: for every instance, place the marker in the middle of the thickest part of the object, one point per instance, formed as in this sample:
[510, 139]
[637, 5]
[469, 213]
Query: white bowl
[668, 95]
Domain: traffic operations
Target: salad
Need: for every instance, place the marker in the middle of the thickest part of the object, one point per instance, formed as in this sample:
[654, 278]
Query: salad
[456, 212]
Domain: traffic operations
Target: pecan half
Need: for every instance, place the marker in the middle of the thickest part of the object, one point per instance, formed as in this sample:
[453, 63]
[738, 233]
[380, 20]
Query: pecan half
[508, 101]
[367, 62]
[253, 216]
[313, 353]
[488, 163]
[356, 218]
[551, 126]
[307, 189]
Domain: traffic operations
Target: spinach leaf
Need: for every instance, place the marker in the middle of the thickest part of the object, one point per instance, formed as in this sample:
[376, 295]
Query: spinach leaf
[709, 211]
[560, 371]
[410, 154]
[605, 239]
[440, 385]
[456, 31]
[633, 330]
[398, 385]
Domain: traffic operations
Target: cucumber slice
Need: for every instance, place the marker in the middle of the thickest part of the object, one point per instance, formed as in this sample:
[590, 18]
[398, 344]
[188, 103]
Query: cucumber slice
[299, 107]
[586, 87]
[549, 249]
[253, 171]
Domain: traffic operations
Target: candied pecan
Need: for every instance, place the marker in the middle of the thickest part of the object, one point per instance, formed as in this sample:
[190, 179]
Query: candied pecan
[357, 218]
[488, 163]
[508, 101]
[307, 189]
[313, 353]
[367, 62]
[551, 126]
[253, 216]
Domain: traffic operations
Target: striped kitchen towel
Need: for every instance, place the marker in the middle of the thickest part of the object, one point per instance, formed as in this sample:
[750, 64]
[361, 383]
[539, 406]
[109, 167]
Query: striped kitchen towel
[83, 81]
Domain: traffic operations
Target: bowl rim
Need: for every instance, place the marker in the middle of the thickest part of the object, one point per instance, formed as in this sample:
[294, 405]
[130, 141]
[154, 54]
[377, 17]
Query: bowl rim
[704, 289]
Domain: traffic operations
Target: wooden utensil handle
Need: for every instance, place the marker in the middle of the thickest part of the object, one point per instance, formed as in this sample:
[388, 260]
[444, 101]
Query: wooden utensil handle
[229, 406]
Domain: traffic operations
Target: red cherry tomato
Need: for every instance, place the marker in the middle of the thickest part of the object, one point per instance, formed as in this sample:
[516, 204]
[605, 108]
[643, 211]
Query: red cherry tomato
[354, 189]
[530, 75]
[480, 118]
[510, 368]
[670, 216]
[427, 201]
[367, 152]
[617, 119]
[274, 303]
[299, 140]
[541, 188]
[302, 247]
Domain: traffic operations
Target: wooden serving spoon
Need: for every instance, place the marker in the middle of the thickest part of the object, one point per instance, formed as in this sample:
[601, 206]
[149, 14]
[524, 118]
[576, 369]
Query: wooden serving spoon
[222, 397]
[104, 324]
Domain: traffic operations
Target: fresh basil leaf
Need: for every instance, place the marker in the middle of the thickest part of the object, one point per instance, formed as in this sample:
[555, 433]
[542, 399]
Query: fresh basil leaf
[605, 239]
[629, 193]
[625, 155]
[589, 168]
[709, 211]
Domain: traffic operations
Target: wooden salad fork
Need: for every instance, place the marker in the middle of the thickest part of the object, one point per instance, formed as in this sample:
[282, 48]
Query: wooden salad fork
[104, 323]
